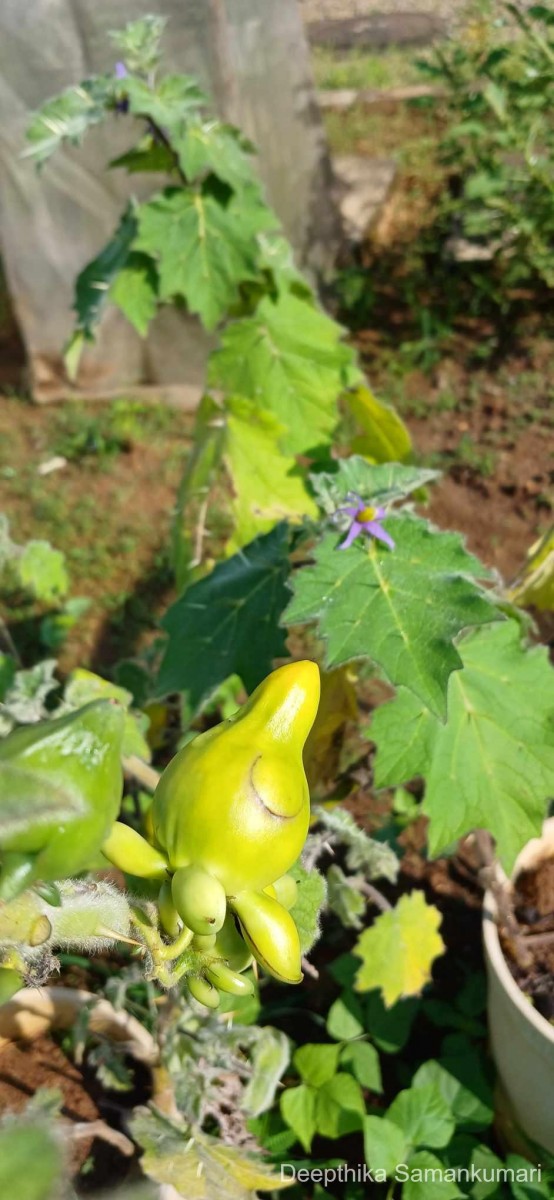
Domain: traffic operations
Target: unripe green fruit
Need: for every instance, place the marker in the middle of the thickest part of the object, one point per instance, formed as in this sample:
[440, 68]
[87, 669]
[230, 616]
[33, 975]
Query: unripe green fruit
[204, 942]
[203, 991]
[199, 899]
[229, 981]
[68, 772]
[235, 800]
[10, 983]
[231, 946]
[169, 917]
[285, 890]
[130, 852]
[270, 932]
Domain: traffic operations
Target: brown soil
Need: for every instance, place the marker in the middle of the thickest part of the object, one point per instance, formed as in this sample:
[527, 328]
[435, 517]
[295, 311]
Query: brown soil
[109, 513]
[534, 910]
[42, 1064]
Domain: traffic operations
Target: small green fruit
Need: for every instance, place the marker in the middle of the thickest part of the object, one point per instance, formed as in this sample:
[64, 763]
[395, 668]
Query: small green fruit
[169, 917]
[231, 946]
[203, 991]
[229, 981]
[271, 934]
[130, 852]
[203, 942]
[199, 899]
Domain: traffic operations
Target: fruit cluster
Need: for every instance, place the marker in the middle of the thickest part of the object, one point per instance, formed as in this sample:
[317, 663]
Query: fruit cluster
[229, 818]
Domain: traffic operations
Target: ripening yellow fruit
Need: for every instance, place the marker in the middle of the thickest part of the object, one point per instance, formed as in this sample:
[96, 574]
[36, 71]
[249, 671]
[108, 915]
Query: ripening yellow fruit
[235, 800]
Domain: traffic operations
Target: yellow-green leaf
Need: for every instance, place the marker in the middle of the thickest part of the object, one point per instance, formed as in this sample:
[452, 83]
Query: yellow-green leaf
[268, 485]
[399, 949]
[535, 585]
[199, 1167]
[384, 436]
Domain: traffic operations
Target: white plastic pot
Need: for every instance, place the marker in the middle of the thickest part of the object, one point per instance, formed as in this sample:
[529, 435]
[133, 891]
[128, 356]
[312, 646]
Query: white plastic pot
[522, 1042]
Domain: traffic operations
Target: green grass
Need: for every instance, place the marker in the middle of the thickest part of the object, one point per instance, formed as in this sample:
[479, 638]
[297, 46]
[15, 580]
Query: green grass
[360, 69]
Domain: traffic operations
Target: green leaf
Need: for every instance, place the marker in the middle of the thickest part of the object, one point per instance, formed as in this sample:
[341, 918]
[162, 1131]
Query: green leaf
[339, 1106]
[496, 751]
[379, 485]
[309, 902]
[384, 1145]
[345, 1018]
[202, 248]
[68, 117]
[268, 486]
[389, 1028]
[172, 99]
[401, 608]
[31, 1160]
[196, 1165]
[209, 146]
[363, 853]
[287, 357]
[316, 1062]
[298, 1111]
[227, 623]
[94, 282]
[42, 571]
[423, 1115]
[385, 438]
[363, 1060]
[135, 291]
[468, 1108]
[524, 1188]
[7, 674]
[399, 949]
[344, 899]
[404, 732]
[269, 1060]
[426, 1180]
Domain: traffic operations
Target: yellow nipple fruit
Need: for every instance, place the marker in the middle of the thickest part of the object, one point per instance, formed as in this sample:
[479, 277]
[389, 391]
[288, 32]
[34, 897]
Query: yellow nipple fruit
[235, 800]
[271, 934]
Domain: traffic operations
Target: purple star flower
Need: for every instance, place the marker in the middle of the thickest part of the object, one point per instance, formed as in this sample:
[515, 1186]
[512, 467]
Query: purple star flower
[365, 519]
[120, 70]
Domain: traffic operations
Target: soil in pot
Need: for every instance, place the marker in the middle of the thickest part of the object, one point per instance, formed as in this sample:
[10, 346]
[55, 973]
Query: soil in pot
[533, 966]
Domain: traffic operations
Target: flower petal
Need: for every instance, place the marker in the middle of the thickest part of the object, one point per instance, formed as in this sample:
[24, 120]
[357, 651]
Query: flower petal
[353, 532]
[376, 531]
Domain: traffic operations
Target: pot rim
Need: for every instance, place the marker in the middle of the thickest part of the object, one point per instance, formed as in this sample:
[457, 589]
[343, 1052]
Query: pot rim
[498, 962]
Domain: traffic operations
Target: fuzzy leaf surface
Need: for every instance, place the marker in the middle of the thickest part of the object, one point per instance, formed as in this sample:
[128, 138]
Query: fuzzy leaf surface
[400, 608]
[495, 754]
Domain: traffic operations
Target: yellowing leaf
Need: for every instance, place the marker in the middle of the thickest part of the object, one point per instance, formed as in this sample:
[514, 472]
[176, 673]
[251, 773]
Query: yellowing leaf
[384, 437]
[336, 707]
[199, 1167]
[535, 585]
[268, 486]
[399, 949]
